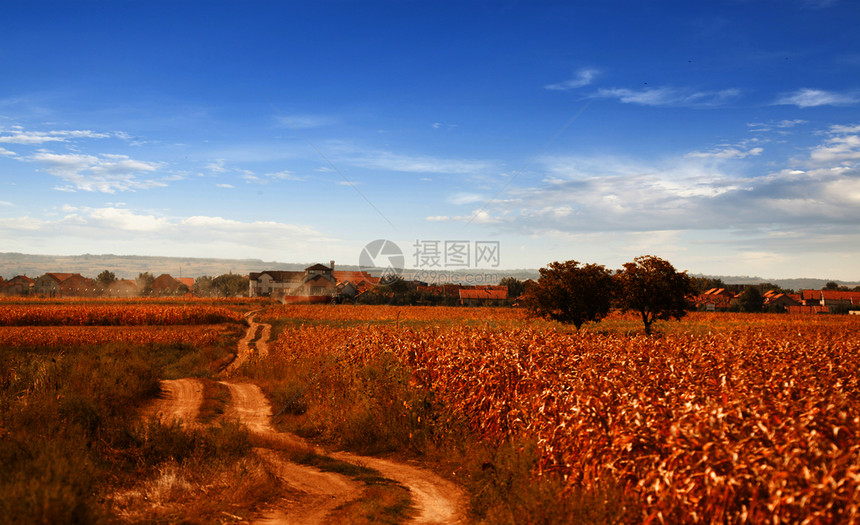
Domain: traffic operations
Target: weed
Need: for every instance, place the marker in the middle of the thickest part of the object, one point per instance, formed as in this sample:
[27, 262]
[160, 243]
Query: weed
[505, 490]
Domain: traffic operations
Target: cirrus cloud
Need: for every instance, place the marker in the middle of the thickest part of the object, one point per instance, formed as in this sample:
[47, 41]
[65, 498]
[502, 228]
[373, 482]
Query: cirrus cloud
[105, 173]
[583, 77]
[808, 98]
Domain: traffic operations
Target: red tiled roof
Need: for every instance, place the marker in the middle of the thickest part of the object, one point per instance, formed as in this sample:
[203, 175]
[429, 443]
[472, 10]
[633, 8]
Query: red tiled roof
[355, 277]
[781, 297]
[489, 292]
[810, 294]
[280, 276]
[831, 295]
[60, 277]
[836, 295]
[719, 291]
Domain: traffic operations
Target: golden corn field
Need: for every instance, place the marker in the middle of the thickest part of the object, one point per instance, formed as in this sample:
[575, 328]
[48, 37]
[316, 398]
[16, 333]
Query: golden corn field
[723, 418]
[114, 314]
[69, 322]
[71, 336]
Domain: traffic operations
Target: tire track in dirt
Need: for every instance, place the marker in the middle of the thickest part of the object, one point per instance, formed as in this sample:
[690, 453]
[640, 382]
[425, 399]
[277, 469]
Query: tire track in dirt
[261, 345]
[436, 499]
[323, 491]
[179, 400]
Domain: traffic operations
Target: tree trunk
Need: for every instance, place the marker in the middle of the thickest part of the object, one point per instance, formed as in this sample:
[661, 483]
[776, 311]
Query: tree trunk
[647, 320]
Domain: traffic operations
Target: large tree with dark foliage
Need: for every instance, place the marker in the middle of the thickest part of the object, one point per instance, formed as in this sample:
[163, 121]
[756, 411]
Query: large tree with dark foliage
[515, 286]
[751, 300]
[652, 287]
[571, 293]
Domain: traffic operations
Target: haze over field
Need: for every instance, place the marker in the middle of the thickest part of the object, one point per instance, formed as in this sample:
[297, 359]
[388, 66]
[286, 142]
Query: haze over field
[722, 136]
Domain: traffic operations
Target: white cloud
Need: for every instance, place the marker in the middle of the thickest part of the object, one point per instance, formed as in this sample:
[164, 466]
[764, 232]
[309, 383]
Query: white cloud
[465, 198]
[284, 175]
[40, 137]
[5, 203]
[217, 166]
[807, 98]
[582, 78]
[252, 178]
[779, 125]
[16, 226]
[6, 152]
[123, 220]
[480, 216]
[842, 146]
[389, 161]
[666, 96]
[698, 191]
[105, 173]
[726, 153]
[224, 185]
[113, 229]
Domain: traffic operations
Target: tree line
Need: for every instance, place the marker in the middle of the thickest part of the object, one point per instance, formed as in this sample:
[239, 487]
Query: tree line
[225, 285]
[574, 293]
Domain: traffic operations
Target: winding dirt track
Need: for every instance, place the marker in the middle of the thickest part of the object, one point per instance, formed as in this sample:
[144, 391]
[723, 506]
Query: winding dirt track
[179, 401]
[436, 499]
[261, 344]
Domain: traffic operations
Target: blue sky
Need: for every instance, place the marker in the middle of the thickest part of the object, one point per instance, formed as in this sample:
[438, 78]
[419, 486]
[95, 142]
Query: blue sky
[723, 136]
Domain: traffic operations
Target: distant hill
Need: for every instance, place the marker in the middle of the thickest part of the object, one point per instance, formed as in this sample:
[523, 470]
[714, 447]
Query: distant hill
[787, 284]
[129, 266]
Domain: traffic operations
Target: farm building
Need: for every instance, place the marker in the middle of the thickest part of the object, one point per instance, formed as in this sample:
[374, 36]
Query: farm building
[483, 295]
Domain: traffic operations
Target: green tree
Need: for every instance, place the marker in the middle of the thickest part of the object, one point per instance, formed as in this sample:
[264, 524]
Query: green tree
[203, 286]
[515, 286]
[703, 284]
[571, 293]
[831, 285]
[230, 285]
[652, 287]
[104, 280]
[751, 300]
[144, 283]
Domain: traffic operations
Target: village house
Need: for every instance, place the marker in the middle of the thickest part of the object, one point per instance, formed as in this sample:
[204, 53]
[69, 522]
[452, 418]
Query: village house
[164, 284]
[66, 284]
[352, 284]
[315, 283]
[830, 298]
[317, 280]
[825, 301]
[715, 299]
[18, 285]
[483, 295]
[774, 299]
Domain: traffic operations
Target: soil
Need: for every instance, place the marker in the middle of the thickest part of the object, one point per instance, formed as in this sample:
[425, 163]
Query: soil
[179, 401]
[314, 493]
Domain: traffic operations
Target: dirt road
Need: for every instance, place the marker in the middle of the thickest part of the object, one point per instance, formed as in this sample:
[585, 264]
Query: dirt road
[260, 344]
[180, 401]
[436, 499]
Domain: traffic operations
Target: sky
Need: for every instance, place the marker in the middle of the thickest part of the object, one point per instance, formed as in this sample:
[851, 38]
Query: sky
[722, 136]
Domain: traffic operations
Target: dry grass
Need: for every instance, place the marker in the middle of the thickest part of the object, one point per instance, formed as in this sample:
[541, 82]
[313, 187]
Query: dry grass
[199, 492]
